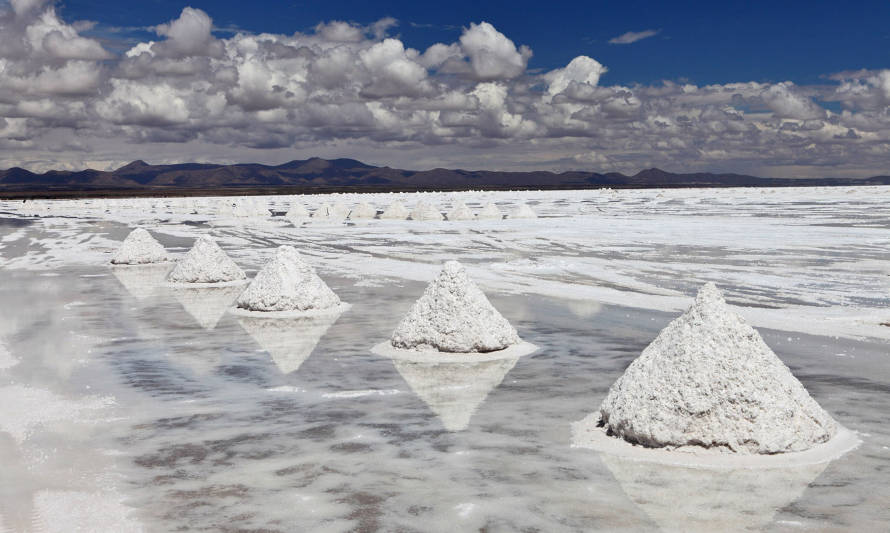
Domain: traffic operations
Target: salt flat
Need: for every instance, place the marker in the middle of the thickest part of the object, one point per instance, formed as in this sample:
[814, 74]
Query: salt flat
[167, 412]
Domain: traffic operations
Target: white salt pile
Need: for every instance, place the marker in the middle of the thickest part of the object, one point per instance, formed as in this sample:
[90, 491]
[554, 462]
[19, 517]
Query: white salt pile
[490, 211]
[297, 213]
[328, 213]
[425, 211]
[461, 212]
[395, 211]
[139, 248]
[288, 284]
[709, 381]
[206, 262]
[454, 316]
[363, 210]
[340, 211]
[523, 211]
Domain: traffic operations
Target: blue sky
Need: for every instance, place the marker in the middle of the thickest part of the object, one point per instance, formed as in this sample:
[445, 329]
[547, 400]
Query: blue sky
[768, 88]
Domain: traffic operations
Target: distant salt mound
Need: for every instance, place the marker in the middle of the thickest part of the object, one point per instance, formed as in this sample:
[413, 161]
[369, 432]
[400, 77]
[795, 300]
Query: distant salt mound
[363, 211]
[297, 213]
[395, 211]
[454, 316]
[491, 212]
[206, 262]
[708, 380]
[523, 211]
[340, 211]
[327, 213]
[461, 212]
[140, 248]
[425, 211]
[287, 284]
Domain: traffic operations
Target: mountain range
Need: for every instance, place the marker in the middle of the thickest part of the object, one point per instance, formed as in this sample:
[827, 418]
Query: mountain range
[328, 175]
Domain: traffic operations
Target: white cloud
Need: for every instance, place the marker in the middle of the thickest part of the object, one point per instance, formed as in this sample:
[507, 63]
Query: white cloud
[492, 55]
[633, 36]
[582, 69]
[189, 34]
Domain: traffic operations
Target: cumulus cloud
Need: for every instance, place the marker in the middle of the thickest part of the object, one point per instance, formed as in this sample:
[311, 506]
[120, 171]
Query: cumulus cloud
[343, 88]
[633, 36]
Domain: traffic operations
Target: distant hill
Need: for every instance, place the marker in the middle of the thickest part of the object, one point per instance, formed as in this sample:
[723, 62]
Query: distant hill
[325, 175]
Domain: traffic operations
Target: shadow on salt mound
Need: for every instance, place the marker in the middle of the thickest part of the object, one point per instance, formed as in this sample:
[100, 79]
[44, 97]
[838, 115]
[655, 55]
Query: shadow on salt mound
[680, 499]
[709, 392]
[207, 305]
[453, 321]
[142, 281]
[454, 391]
[289, 341]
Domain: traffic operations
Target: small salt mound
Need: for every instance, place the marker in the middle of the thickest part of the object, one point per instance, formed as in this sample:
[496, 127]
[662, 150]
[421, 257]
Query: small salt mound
[326, 212]
[395, 211]
[287, 283]
[461, 212]
[363, 210]
[139, 248]
[709, 380]
[206, 262]
[425, 211]
[491, 211]
[297, 212]
[453, 315]
[340, 211]
[523, 211]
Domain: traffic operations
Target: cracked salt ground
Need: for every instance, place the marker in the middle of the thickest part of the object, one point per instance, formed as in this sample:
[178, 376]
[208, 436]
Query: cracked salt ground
[208, 431]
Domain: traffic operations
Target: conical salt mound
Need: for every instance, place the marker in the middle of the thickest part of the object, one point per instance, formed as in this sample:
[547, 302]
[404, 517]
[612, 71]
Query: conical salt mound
[490, 211]
[454, 391]
[461, 212]
[206, 262]
[297, 212]
[340, 211]
[395, 211]
[363, 210]
[425, 211]
[287, 283]
[139, 248]
[453, 315]
[289, 341]
[709, 380]
[523, 211]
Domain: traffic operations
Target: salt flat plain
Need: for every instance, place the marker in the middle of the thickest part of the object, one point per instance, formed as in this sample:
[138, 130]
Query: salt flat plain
[129, 405]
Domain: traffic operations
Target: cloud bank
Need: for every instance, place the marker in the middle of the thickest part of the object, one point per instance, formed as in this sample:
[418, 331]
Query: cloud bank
[344, 89]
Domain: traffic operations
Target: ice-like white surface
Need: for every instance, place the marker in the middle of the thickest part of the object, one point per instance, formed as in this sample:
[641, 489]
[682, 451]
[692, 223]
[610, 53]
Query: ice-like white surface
[139, 248]
[709, 380]
[206, 262]
[453, 315]
[287, 283]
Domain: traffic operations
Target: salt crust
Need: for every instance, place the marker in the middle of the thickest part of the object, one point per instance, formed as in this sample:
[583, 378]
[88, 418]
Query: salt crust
[453, 315]
[425, 211]
[363, 210]
[709, 381]
[6, 358]
[140, 248]
[461, 212]
[490, 211]
[395, 211]
[206, 263]
[287, 283]
[587, 433]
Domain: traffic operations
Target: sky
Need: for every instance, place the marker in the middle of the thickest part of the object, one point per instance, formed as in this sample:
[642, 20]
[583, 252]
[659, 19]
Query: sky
[785, 89]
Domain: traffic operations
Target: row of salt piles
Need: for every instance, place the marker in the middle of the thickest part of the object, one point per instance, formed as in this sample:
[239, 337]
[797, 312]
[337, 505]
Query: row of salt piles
[397, 211]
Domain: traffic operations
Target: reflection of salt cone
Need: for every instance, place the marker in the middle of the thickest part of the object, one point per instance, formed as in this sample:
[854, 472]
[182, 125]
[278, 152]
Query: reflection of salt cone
[207, 304]
[454, 391]
[698, 499]
[141, 281]
[289, 341]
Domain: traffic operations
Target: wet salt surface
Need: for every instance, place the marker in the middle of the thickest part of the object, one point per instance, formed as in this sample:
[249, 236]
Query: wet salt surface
[167, 408]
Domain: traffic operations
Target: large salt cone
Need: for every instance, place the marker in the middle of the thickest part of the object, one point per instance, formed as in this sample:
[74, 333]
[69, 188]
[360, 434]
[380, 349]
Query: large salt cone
[461, 212]
[363, 211]
[206, 305]
[425, 211]
[709, 380]
[395, 211]
[523, 211]
[289, 341]
[287, 283]
[142, 281]
[206, 262]
[453, 315]
[454, 391]
[140, 248]
[490, 211]
[682, 499]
